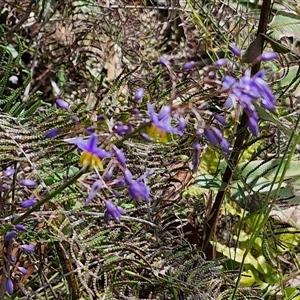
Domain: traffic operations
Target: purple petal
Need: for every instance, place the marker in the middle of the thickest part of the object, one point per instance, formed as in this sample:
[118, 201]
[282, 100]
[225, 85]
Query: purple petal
[79, 142]
[120, 157]
[127, 176]
[164, 112]
[220, 119]
[138, 190]
[92, 143]
[96, 187]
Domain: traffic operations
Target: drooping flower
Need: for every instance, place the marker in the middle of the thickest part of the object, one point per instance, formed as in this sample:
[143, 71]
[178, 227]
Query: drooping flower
[91, 155]
[113, 212]
[137, 188]
[96, 187]
[216, 138]
[120, 156]
[245, 91]
[161, 124]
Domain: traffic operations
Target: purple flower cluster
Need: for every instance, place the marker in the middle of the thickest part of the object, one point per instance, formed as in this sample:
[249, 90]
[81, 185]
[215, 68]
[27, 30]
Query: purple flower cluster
[248, 89]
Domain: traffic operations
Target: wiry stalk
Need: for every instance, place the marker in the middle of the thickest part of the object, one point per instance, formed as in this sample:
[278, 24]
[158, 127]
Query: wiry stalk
[241, 131]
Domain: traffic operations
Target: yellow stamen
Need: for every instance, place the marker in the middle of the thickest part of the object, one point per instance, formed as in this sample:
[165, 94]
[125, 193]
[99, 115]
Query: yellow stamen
[91, 160]
[157, 134]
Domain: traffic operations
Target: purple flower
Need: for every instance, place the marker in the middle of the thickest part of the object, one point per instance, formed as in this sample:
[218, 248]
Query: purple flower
[196, 156]
[161, 123]
[27, 248]
[113, 211]
[123, 129]
[20, 227]
[215, 137]
[235, 50]
[188, 66]
[245, 91]
[220, 119]
[96, 187]
[62, 104]
[101, 118]
[9, 286]
[220, 62]
[91, 154]
[90, 130]
[28, 203]
[164, 62]
[139, 94]
[22, 270]
[137, 188]
[52, 133]
[10, 235]
[267, 56]
[9, 172]
[120, 157]
[28, 183]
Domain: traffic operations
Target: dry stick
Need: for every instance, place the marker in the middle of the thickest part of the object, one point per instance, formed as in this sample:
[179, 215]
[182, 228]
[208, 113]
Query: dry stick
[241, 130]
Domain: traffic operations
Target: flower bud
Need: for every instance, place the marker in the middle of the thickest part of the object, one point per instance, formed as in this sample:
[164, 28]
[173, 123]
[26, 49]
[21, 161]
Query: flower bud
[28, 183]
[62, 104]
[20, 227]
[164, 62]
[9, 286]
[27, 248]
[139, 94]
[9, 172]
[235, 50]
[221, 62]
[10, 235]
[22, 270]
[52, 133]
[188, 66]
[28, 203]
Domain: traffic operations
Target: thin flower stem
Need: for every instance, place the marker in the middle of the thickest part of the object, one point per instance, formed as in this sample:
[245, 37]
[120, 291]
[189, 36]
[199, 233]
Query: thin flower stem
[241, 137]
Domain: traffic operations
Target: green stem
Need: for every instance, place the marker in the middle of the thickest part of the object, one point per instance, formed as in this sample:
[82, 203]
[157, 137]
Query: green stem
[50, 196]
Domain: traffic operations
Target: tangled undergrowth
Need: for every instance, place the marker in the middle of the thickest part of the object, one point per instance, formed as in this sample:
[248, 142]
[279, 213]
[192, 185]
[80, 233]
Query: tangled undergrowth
[141, 153]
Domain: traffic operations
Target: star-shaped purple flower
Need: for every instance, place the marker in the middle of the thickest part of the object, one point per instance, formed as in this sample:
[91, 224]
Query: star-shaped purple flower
[91, 154]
